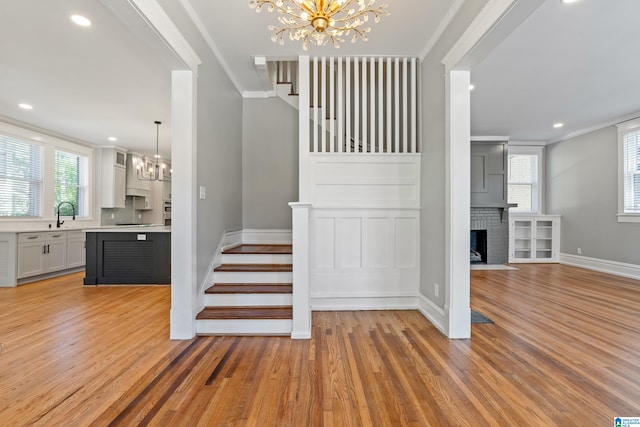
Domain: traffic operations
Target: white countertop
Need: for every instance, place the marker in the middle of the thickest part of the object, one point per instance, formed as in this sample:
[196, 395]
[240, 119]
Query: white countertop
[154, 228]
[130, 229]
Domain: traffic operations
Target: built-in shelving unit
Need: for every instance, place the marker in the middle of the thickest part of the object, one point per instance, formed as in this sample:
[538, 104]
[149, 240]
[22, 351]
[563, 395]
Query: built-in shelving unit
[534, 238]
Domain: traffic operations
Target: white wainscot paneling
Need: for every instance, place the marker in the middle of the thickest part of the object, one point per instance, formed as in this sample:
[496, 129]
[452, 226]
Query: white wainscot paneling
[323, 249]
[348, 236]
[364, 259]
[363, 181]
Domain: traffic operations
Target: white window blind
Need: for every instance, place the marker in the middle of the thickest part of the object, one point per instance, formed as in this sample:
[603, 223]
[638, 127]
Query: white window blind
[20, 178]
[631, 171]
[523, 182]
[70, 183]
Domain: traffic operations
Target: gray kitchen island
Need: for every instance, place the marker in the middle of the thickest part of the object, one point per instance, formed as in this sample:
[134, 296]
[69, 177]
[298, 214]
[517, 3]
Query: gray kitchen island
[128, 255]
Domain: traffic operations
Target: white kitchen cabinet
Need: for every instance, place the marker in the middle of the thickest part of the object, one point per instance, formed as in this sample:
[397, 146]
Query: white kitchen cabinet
[114, 177]
[76, 251]
[41, 253]
[534, 238]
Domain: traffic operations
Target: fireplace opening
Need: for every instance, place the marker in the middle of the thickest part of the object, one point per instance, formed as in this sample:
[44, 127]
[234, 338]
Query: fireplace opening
[478, 247]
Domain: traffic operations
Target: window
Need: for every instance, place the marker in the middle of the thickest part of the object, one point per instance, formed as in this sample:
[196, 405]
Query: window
[629, 171]
[70, 183]
[20, 178]
[524, 175]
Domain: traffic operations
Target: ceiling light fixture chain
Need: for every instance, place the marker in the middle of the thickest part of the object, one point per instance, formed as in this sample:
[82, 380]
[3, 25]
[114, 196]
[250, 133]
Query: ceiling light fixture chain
[154, 171]
[321, 22]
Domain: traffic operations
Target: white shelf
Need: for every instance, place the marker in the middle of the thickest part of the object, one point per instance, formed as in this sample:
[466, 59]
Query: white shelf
[534, 238]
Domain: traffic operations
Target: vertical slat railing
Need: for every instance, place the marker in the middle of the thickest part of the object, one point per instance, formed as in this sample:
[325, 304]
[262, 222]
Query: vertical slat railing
[380, 145]
[356, 103]
[347, 101]
[332, 112]
[365, 140]
[367, 105]
[396, 141]
[388, 103]
[414, 103]
[405, 104]
[316, 105]
[372, 104]
[323, 95]
[340, 116]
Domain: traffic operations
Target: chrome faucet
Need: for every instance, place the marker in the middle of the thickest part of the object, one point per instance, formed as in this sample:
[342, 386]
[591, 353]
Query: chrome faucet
[59, 223]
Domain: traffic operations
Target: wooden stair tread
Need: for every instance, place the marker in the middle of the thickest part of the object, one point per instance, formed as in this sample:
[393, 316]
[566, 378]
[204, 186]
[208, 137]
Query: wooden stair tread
[255, 267]
[259, 312]
[260, 249]
[250, 288]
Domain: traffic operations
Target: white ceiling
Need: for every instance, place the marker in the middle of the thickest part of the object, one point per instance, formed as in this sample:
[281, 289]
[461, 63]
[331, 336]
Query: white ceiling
[576, 63]
[240, 34]
[571, 63]
[85, 83]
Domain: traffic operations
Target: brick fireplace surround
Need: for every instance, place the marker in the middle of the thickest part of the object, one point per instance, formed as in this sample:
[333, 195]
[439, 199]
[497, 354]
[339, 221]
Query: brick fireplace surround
[496, 222]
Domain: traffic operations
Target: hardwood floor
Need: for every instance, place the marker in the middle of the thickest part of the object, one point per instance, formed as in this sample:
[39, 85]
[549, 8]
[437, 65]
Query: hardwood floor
[564, 350]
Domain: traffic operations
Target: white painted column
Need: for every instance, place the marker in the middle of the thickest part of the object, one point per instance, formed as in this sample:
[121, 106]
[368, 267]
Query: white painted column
[301, 300]
[184, 243]
[458, 206]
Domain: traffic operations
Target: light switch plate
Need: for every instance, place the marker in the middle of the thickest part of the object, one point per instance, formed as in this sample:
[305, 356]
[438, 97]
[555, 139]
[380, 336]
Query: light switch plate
[203, 192]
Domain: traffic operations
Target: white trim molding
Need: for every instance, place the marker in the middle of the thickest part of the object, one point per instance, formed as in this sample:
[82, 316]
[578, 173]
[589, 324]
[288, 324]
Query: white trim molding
[631, 271]
[157, 18]
[267, 237]
[433, 313]
[486, 19]
[209, 40]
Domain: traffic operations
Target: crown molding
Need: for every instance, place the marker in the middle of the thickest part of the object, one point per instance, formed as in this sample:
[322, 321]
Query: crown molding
[209, 40]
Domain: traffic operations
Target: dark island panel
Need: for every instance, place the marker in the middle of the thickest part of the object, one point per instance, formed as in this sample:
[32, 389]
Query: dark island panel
[128, 258]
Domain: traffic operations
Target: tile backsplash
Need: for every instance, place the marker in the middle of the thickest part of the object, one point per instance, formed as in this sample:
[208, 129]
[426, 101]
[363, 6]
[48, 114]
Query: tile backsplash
[126, 215]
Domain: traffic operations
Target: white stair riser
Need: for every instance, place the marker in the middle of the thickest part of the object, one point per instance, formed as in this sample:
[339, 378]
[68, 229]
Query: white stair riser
[243, 300]
[257, 259]
[244, 327]
[253, 277]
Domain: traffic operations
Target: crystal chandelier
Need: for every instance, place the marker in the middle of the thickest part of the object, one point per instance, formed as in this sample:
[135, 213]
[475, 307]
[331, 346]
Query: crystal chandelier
[321, 21]
[153, 173]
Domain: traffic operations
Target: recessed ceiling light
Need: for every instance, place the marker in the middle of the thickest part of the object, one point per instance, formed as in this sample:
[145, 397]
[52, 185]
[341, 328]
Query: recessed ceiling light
[558, 125]
[472, 87]
[80, 20]
[157, 156]
[569, 1]
[25, 106]
[112, 139]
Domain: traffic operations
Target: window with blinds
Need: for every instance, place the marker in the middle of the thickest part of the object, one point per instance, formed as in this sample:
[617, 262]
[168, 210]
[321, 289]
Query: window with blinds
[631, 171]
[70, 183]
[523, 182]
[20, 178]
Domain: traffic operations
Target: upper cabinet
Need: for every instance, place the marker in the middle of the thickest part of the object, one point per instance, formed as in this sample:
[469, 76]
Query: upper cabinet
[138, 166]
[113, 176]
[489, 174]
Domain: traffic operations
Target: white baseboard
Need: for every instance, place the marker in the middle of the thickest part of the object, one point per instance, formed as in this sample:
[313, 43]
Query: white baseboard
[274, 237]
[605, 266]
[363, 303]
[433, 313]
[231, 239]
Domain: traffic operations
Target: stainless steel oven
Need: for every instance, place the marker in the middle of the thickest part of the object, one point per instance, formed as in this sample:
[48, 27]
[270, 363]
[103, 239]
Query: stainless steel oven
[166, 213]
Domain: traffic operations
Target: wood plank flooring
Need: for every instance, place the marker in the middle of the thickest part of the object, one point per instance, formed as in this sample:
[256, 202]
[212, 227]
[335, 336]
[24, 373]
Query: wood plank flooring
[564, 350]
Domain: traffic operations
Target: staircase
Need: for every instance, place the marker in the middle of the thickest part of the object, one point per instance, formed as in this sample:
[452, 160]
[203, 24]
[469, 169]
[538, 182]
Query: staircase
[252, 293]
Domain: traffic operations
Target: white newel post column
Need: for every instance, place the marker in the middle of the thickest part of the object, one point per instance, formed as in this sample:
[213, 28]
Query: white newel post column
[301, 301]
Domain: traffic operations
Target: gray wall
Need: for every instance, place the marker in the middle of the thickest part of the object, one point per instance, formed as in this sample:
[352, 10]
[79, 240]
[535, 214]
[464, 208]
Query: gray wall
[219, 146]
[432, 197]
[270, 163]
[582, 186]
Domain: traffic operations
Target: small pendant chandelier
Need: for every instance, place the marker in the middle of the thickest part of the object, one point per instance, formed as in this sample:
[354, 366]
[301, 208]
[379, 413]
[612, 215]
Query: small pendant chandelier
[153, 174]
[321, 21]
